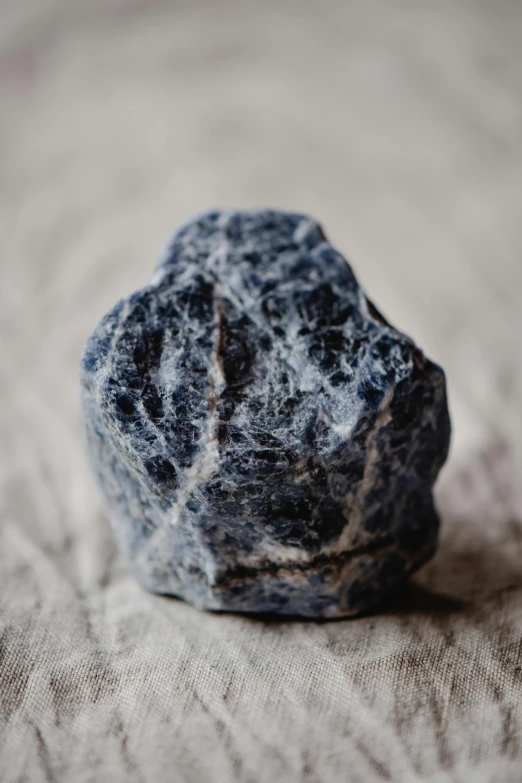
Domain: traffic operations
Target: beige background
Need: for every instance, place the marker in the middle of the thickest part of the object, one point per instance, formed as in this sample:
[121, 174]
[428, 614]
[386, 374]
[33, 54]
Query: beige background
[399, 126]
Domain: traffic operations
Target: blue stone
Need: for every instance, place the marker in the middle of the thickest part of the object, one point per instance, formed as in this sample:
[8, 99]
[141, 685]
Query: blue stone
[264, 440]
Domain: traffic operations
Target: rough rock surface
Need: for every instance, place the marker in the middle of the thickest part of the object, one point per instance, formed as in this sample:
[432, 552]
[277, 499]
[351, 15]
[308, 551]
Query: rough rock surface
[265, 441]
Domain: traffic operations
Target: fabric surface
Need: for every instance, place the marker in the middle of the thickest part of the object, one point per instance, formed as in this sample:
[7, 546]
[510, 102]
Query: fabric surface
[398, 125]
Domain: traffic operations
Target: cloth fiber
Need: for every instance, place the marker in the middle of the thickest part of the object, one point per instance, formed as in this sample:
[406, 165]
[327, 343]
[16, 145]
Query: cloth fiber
[396, 124]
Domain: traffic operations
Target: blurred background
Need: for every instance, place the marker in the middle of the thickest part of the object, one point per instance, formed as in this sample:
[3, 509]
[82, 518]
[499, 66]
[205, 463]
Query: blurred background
[397, 124]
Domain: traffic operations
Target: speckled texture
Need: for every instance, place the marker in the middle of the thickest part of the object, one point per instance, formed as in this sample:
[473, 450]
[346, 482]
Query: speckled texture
[264, 440]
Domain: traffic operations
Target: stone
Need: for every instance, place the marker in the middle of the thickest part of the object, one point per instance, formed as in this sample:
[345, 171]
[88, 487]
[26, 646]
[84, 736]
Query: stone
[264, 440]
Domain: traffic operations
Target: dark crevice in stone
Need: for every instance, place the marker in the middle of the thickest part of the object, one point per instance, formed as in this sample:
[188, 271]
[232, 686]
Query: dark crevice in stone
[337, 560]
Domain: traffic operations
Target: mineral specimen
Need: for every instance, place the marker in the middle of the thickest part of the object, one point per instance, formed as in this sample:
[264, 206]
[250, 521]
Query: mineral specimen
[264, 440]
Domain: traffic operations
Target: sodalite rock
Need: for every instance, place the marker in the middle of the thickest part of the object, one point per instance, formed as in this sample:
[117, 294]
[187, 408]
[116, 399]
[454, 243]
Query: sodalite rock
[264, 440]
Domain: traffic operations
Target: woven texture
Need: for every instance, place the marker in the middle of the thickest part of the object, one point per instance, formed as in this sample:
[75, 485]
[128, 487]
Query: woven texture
[398, 126]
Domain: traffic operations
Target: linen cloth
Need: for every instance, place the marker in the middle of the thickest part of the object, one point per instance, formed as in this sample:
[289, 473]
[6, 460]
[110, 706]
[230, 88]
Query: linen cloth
[398, 125]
